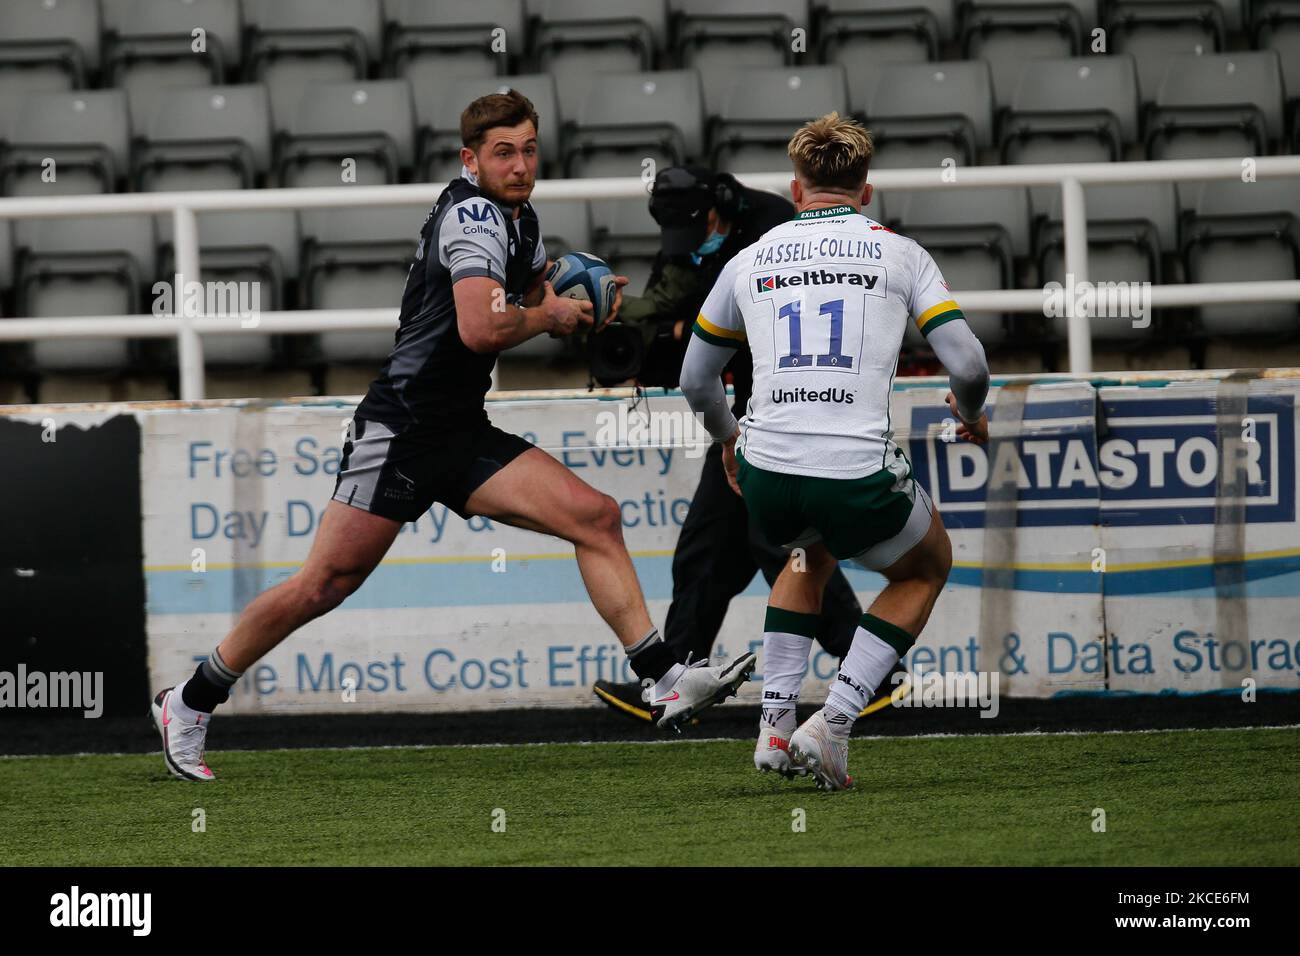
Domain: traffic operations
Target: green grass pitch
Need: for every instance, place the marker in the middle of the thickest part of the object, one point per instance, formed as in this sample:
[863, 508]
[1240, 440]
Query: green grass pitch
[1170, 798]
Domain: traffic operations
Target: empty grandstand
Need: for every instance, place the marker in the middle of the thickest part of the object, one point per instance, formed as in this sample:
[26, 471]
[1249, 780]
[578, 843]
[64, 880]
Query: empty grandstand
[171, 97]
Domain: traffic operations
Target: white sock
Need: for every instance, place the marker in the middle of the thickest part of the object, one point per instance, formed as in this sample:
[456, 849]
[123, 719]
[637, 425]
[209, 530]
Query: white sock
[868, 662]
[787, 641]
[785, 662]
[178, 706]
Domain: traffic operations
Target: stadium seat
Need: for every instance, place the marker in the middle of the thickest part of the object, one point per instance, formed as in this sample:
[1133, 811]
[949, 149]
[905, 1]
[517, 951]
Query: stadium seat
[925, 113]
[628, 119]
[358, 259]
[1006, 208]
[565, 225]
[1150, 208]
[719, 37]
[1009, 33]
[1132, 230]
[368, 124]
[626, 236]
[214, 137]
[434, 43]
[149, 45]
[1275, 25]
[1241, 232]
[101, 265]
[10, 106]
[1154, 31]
[631, 117]
[261, 246]
[85, 133]
[49, 46]
[439, 122]
[220, 138]
[295, 44]
[6, 257]
[1226, 104]
[762, 107]
[974, 235]
[1079, 109]
[867, 37]
[572, 40]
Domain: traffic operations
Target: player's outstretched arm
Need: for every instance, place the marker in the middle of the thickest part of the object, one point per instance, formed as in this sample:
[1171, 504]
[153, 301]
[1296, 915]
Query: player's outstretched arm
[701, 382]
[956, 346]
[488, 323]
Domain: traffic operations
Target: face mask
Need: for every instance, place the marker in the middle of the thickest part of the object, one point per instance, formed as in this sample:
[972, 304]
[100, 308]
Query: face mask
[711, 244]
[708, 247]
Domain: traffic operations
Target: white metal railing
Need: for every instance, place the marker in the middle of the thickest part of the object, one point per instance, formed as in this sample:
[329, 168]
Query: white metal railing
[188, 330]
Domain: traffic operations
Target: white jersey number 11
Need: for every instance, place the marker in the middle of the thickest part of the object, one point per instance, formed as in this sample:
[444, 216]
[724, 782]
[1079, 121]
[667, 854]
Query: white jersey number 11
[834, 356]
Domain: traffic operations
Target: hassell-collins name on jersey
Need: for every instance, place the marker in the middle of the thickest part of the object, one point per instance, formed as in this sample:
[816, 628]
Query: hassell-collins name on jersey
[827, 247]
[841, 395]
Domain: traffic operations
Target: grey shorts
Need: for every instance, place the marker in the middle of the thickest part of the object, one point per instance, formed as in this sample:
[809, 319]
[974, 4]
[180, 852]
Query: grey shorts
[397, 471]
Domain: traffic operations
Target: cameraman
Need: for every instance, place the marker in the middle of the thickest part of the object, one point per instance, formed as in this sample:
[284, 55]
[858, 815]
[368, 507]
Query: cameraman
[706, 218]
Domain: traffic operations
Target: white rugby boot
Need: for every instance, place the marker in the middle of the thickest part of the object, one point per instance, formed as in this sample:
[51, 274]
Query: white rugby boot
[815, 749]
[182, 740]
[697, 687]
[772, 753]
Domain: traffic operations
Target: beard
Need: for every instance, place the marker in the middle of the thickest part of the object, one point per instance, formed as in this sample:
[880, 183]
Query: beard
[499, 191]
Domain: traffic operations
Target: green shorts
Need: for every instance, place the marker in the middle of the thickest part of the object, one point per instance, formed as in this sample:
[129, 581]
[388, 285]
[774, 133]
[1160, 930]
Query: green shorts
[873, 520]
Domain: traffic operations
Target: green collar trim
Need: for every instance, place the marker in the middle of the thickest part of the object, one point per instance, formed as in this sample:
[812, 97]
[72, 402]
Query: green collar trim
[830, 213]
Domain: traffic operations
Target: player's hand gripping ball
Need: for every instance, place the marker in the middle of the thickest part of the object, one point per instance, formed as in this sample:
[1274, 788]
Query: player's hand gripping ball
[582, 276]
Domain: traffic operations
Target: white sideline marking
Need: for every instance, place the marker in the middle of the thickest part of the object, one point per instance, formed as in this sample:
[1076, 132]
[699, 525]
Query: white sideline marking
[659, 743]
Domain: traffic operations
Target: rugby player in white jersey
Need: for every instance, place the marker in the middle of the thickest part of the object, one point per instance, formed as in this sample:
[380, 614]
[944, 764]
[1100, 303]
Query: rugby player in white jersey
[823, 302]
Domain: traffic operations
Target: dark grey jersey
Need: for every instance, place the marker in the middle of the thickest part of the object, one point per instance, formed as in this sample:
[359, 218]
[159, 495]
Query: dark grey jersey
[432, 381]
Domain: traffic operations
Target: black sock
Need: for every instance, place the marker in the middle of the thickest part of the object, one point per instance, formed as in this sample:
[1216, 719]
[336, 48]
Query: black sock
[650, 657]
[210, 685]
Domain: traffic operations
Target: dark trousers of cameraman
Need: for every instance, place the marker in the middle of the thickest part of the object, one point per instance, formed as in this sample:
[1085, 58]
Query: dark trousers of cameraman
[717, 554]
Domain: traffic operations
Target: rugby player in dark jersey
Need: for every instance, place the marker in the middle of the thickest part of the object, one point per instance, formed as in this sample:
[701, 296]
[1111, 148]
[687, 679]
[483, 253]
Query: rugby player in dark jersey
[421, 435]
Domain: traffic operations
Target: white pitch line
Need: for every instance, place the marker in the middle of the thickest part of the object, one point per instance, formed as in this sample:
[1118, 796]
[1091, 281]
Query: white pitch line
[684, 740]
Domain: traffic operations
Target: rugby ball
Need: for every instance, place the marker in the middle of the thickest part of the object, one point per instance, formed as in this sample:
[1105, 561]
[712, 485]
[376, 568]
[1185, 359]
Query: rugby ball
[580, 275]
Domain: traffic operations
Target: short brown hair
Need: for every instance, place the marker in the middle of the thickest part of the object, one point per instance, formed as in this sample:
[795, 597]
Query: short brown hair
[496, 109]
[831, 152]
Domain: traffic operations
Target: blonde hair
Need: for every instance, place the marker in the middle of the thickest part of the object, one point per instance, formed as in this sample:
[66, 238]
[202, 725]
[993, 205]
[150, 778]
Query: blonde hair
[831, 152]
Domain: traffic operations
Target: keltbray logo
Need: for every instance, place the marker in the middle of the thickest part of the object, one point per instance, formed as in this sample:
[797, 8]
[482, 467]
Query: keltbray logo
[777, 281]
